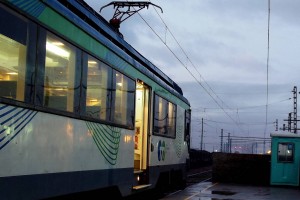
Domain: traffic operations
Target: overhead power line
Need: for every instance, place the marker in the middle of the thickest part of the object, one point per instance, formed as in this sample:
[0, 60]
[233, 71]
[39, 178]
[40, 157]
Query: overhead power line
[189, 71]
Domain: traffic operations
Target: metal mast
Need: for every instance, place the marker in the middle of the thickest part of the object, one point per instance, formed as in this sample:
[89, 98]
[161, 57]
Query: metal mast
[295, 109]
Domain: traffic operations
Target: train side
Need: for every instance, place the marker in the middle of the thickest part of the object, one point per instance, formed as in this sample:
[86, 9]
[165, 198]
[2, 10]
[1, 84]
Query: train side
[80, 109]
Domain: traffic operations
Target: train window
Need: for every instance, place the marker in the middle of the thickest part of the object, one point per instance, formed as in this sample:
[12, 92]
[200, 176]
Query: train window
[171, 123]
[187, 127]
[285, 152]
[160, 116]
[164, 117]
[59, 77]
[98, 89]
[123, 94]
[13, 48]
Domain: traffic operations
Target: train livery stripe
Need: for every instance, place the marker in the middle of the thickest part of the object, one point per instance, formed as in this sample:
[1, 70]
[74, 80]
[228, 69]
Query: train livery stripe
[35, 8]
[107, 139]
[12, 122]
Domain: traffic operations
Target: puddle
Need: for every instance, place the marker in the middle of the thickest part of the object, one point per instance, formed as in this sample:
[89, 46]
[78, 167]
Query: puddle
[223, 192]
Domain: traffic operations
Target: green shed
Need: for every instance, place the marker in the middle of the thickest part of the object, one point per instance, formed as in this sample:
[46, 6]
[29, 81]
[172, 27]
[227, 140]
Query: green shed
[285, 159]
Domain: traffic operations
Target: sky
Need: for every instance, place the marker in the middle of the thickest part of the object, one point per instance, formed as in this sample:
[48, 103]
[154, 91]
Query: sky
[237, 62]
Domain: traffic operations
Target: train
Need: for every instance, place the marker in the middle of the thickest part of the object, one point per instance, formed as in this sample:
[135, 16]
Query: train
[81, 110]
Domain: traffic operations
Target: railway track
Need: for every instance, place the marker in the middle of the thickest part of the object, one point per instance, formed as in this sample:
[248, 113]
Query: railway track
[199, 177]
[194, 176]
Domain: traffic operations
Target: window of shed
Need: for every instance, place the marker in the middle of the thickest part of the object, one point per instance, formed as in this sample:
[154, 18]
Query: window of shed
[285, 152]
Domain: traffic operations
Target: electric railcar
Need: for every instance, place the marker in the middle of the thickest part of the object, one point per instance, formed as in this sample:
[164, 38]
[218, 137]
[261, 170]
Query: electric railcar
[81, 109]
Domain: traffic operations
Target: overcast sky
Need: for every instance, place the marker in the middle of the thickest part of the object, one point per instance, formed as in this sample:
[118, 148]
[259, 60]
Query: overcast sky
[216, 51]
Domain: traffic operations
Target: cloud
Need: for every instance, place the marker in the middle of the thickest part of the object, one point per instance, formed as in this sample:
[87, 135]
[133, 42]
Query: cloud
[224, 45]
[240, 108]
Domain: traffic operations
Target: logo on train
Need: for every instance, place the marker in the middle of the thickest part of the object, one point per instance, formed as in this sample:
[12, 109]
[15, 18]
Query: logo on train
[161, 150]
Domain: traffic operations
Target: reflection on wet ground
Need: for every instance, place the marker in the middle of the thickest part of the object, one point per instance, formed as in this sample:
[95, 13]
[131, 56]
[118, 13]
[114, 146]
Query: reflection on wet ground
[226, 191]
[223, 192]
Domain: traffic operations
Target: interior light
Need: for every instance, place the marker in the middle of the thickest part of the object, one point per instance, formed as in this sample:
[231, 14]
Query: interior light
[141, 82]
[120, 84]
[139, 86]
[59, 89]
[127, 138]
[58, 43]
[92, 62]
[57, 50]
[12, 73]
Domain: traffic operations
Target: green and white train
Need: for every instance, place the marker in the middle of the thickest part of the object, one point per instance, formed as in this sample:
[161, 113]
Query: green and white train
[80, 109]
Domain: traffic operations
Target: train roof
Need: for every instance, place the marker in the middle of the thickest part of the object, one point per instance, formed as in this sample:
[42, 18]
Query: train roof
[86, 13]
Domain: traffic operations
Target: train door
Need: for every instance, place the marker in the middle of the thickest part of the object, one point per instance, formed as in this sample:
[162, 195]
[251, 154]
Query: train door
[141, 133]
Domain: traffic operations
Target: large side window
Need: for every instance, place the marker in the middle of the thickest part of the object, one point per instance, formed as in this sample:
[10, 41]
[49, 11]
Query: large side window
[286, 152]
[98, 89]
[39, 67]
[123, 100]
[13, 48]
[60, 73]
[164, 117]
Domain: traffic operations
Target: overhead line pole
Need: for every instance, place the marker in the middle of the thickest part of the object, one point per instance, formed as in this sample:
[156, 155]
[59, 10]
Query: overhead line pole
[295, 109]
[229, 144]
[201, 135]
[221, 149]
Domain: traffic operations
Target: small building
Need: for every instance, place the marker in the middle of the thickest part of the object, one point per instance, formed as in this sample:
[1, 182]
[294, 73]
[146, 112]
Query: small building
[285, 159]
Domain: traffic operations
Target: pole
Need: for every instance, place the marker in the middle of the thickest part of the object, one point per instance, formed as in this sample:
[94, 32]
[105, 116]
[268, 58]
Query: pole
[229, 150]
[295, 109]
[221, 140]
[201, 136]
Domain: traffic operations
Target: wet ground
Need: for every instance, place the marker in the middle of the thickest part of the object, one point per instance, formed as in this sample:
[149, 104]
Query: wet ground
[226, 191]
